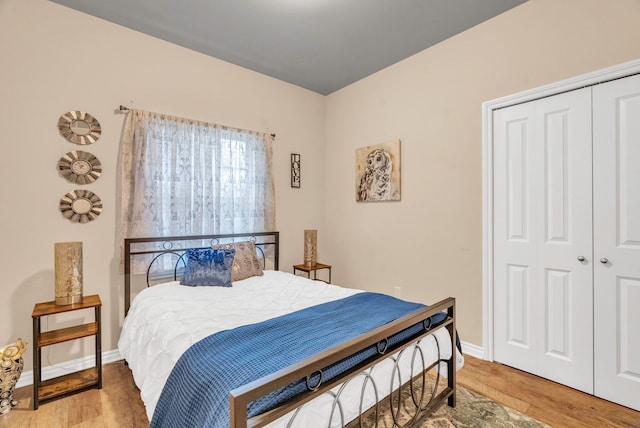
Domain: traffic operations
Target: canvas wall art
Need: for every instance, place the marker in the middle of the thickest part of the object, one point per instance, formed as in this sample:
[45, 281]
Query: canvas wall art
[378, 172]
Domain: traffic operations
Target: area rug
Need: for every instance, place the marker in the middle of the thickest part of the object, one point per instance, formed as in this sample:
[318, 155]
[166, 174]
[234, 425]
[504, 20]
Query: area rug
[472, 410]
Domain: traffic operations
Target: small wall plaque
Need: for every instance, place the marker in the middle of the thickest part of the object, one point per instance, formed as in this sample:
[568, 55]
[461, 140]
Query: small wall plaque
[295, 170]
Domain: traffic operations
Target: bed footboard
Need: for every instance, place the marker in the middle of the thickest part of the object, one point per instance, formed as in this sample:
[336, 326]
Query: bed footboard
[425, 401]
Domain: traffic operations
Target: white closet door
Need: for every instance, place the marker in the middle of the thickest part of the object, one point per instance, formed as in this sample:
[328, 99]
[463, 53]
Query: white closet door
[616, 145]
[543, 289]
[515, 301]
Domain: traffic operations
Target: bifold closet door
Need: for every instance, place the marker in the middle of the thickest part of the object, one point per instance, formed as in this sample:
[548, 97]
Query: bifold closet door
[616, 182]
[543, 283]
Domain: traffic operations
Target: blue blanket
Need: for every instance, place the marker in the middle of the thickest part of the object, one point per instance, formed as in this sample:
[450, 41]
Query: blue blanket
[197, 391]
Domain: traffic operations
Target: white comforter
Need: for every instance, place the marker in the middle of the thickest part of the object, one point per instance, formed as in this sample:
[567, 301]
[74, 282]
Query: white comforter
[165, 320]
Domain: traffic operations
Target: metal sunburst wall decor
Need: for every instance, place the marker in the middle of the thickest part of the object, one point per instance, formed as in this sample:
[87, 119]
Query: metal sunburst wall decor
[80, 167]
[81, 206]
[79, 127]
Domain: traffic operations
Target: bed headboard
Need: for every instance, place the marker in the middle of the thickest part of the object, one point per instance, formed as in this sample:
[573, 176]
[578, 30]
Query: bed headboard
[267, 245]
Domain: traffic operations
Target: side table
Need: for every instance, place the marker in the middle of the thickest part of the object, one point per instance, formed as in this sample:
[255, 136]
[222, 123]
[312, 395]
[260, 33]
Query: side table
[314, 269]
[73, 382]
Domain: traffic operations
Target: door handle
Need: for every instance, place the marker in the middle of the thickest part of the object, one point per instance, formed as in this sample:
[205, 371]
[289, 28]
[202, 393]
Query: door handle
[604, 260]
[581, 258]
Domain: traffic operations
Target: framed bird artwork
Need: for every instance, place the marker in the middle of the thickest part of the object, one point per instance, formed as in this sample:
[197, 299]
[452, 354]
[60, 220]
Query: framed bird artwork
[378, 172]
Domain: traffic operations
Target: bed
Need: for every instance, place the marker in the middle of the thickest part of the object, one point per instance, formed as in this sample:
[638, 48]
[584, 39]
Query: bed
[214, 356]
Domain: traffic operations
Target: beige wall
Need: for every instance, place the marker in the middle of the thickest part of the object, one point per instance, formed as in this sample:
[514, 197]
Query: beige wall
[430, 243]
[54, 59]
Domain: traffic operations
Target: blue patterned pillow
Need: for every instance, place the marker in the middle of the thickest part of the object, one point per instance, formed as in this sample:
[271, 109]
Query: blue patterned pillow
[206, 266]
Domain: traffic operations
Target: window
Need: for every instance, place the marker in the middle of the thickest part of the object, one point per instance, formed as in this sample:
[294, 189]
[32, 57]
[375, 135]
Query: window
[183, 177]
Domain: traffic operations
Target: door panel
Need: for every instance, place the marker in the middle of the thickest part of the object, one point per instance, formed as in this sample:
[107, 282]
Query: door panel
[517, 306]
[556, 179]
[564, 123]
[558, 322]
[628, 322]
[616, 145]
[515, 252]
[542, 224]
[517, 184]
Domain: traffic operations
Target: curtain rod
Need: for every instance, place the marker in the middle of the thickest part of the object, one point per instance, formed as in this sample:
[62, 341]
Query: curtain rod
[126, 109]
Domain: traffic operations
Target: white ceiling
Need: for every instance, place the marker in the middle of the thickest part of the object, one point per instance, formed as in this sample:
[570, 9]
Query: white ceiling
[321, 45]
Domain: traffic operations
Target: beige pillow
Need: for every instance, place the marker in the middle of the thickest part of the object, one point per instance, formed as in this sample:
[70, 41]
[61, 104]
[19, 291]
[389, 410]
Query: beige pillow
[245, 262]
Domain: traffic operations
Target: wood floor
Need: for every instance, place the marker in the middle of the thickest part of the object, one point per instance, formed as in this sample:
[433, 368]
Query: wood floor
[118, 403]
[555, 404]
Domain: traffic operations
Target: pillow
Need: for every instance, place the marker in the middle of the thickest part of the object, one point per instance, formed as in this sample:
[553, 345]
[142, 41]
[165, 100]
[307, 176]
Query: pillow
[245, 262]
[206, 266]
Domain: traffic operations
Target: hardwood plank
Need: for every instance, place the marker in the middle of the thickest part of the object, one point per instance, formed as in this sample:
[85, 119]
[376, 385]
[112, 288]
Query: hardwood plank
[120, 398]
[497, 395]
[85, 409]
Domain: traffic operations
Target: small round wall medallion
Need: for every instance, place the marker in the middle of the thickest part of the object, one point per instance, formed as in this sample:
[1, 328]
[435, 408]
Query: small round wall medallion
[79, 127]
[81, 206]
[80, 167]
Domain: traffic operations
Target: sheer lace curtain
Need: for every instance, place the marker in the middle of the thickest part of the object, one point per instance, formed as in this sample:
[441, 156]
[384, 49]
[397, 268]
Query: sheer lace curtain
[183, 177]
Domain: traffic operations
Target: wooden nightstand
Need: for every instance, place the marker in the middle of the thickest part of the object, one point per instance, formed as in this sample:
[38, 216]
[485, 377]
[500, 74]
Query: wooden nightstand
[73, 382]
[313, 269]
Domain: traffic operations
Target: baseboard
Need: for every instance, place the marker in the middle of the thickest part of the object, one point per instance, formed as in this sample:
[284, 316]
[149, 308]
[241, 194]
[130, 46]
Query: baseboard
[48, 372]
[472, 350]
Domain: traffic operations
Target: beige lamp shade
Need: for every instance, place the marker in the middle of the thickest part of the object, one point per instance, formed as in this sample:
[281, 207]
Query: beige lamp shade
[310, 248]
[68, 272]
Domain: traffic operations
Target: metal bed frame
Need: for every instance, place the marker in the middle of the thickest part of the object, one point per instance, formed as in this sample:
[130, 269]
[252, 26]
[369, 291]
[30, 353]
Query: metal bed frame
[424, 402]
[176, 246]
